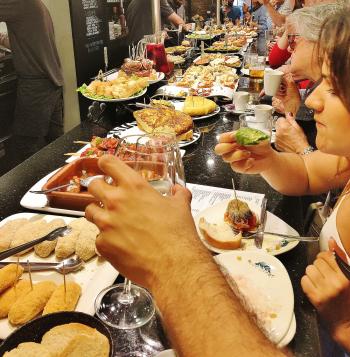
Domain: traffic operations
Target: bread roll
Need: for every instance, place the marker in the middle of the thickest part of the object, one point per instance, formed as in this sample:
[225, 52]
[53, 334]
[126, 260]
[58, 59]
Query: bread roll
[220, 235]
[30, 305]
[67, 340]
[63, 301]
[29, 349]
[7, 232]
[45, 248]
[8, 275]
[11, 295]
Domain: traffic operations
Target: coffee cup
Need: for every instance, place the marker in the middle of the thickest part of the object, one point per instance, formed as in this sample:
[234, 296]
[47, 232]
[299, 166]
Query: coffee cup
[263, 112]
[240, 100]
[272, 81]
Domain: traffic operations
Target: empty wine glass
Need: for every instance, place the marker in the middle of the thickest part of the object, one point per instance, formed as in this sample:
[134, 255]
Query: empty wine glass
[158, 160]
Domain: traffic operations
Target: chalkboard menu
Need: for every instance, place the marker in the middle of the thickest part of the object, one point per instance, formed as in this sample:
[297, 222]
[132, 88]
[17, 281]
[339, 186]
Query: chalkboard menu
[89, 36]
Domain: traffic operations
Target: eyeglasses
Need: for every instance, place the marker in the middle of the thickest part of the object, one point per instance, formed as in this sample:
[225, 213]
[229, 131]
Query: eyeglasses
[292, 40]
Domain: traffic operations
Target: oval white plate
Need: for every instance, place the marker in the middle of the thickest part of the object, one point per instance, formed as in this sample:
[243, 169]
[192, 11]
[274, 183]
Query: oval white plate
[140, 94]
[215, 214]
[267, 284]
[160, 77]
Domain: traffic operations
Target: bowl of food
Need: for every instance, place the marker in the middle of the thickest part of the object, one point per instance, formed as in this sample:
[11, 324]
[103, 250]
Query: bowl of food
[74, 196]
[60, 334]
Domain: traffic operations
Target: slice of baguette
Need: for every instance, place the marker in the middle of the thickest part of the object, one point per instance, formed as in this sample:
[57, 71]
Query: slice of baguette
[66, 340]
[29, 349]
[220, 235]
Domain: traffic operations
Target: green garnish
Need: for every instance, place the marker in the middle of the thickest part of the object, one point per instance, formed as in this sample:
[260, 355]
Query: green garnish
[249, 136]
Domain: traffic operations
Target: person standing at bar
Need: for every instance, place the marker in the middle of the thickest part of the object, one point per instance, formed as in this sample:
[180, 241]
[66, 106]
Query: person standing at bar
[139, 18]
[39, 107]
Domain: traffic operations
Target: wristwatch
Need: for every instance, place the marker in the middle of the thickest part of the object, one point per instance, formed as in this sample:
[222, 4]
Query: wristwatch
[307, 150]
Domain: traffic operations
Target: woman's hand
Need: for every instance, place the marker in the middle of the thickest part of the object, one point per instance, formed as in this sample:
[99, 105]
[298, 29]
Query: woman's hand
[329, 291]
[250, 159]
[290, 136]
[289, 94]
[278, 105]
[142, 232]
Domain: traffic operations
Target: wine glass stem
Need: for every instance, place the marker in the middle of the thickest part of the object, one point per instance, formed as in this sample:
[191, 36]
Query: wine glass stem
[125, 297]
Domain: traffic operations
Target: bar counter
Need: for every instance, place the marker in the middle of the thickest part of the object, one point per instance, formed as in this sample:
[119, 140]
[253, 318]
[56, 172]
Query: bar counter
[202, 166]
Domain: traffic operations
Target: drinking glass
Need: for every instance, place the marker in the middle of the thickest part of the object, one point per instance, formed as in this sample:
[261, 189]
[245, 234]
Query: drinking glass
[257, 67]
[250, 121]
[158, 160]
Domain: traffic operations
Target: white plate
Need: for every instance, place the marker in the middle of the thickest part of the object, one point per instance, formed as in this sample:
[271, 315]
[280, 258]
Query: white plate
[160, 76]
[245, 71]
[179, 106]
[96, 275]
[215, 214]
[140, 94]
[267, 284]
[132, 129]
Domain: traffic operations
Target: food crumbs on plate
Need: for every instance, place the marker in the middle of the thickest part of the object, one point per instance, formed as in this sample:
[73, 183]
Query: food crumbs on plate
[239, 258]
[273, 315]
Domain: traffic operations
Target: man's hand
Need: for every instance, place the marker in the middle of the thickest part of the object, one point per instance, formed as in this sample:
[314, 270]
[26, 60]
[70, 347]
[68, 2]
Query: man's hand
[329, 291]
[142, 232]
[290, 136]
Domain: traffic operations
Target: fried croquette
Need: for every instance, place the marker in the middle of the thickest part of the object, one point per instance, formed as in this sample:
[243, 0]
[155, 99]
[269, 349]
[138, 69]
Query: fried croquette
[45, 248]
[9, 275]
[7, 232]
[63, 301]
[11, 295]
[30, 305]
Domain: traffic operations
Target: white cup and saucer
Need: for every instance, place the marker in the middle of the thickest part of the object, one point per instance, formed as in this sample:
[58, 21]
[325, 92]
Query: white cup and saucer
[240, 101]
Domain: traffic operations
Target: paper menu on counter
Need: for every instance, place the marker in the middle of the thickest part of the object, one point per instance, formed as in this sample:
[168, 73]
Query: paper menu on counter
[206, 196]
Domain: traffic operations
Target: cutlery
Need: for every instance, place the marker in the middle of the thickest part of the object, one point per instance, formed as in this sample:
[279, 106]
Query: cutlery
[293, 237]
[344, 267]
[259, 236]
[59, 232]
[64, 267]
[83, 182]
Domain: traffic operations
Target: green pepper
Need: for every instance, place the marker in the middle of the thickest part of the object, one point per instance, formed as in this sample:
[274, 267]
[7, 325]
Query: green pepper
[249, 136]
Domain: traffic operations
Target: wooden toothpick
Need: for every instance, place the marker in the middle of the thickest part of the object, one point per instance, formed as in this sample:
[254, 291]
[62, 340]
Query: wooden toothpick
[16, 278]
[64, 282]
[30, 275]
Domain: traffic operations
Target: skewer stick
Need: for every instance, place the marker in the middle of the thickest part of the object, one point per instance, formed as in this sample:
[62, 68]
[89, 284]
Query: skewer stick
[71, 154]
[235, 193]
[64, 282]
[81, 142]
[30, 275]
[16, 279]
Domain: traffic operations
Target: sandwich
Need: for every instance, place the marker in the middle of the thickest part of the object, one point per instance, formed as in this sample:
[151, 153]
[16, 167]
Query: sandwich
[240, 217]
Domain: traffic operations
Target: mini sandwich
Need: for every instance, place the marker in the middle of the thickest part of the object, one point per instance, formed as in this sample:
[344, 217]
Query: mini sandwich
[240, 217]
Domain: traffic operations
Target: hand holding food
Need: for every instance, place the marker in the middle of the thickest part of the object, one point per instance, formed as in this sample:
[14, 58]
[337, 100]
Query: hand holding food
[246, 153]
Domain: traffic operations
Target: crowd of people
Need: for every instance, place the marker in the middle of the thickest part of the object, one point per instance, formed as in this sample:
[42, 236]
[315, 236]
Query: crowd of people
[137, 223]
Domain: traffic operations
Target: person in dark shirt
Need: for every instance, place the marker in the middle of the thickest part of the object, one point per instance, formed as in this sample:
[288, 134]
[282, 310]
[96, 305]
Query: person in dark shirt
[139, 18]
[39, 107]
[232, 12]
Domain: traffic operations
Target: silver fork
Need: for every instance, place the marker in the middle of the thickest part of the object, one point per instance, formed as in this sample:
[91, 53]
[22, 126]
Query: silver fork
[259, 235]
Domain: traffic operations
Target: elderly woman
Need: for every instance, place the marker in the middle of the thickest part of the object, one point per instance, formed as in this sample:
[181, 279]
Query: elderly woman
[303, 27]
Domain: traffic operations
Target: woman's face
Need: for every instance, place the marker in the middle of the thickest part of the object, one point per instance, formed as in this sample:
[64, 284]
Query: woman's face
[331, 116]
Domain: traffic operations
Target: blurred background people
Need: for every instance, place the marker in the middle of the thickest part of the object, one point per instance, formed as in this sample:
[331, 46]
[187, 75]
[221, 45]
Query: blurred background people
[39, 106]
[231, 12]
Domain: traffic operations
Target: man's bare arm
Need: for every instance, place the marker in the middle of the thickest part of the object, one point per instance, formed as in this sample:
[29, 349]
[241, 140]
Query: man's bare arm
[176, 20]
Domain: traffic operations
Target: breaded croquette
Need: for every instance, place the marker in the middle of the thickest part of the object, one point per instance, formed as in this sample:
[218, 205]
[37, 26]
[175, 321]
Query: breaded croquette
[45, 248]
[85, 247]
[29, 349]
[11, 295]
[63, 301]
[8, 276]
[29, 232]
[30, 305]
[66, 245]
[7, 232]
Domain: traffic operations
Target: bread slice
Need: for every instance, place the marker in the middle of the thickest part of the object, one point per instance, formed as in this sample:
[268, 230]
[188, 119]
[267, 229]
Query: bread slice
[67, 340]
[220, 235]
[29, 349]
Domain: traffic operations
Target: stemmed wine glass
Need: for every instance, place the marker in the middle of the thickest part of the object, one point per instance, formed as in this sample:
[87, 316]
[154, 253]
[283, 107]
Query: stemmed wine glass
[157, 159]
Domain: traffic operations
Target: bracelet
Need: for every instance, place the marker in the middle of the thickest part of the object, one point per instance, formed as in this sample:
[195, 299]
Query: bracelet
[307, 150]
